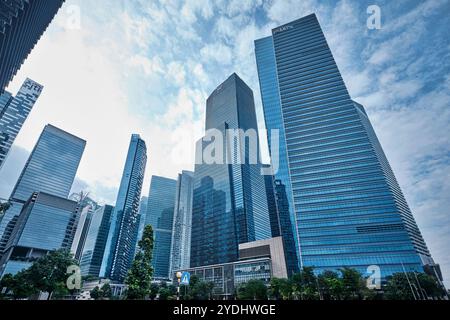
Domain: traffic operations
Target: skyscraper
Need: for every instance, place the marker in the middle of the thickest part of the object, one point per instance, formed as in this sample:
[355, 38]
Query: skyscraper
[122, 237]
[87, 208]
[13, 113]
[346, 206]
[180, 254]
[280, 221]
[22, 23]
[46, 223]
[94, 247]
[142, 217]
[51, 168]
[160, 208]
[230, 202]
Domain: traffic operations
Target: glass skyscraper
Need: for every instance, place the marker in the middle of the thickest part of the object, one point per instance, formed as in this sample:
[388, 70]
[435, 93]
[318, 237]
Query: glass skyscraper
[346, 206]
[121, 243]
[13, 113]
[230, 202]
[22, 23]
[182, 223]
[46, 223]
[94, 247]
[142, 217]
[51, 168]
[160, 207]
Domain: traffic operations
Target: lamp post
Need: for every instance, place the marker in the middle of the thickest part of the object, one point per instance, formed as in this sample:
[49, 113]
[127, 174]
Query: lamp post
[179, 274]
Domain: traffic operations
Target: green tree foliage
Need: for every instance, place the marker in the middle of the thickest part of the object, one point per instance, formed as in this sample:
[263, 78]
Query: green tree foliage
[139, 277]
[354, 284]
[106, 291]
[252, 290]
[331, 285]
[154, 289]
[96, 293]
[50, 272]
[305, 285]
[18, 286]
[167, 292]
[4, 206]
[102, 293]
[280, 289]
[411, 286]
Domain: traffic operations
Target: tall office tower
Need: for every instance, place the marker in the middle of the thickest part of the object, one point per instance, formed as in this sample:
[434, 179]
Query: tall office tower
[22, 23]
[180, 254]
[121, 243]
[230, 203]
[161, 203]
[51, 168]
[87, 208]
[82, 231]
[13, 113]
[280, 221]
[94, 247]
[346, 206]
[142, 217]
[46, 223]
[269, 182]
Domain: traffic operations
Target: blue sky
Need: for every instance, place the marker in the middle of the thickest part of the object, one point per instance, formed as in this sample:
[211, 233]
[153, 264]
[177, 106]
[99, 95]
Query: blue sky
[148, 66]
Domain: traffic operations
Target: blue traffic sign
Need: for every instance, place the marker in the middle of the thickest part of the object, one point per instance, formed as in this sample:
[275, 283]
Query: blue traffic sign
[185, 278]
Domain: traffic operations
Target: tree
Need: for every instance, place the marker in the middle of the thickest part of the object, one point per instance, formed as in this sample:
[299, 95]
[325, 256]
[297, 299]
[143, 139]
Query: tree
[252, 290]
[50, 272]
[305, 285]
[280, 289]
[411, 286]
[154, 289]
[106, 291]
[331, 285]
[96, 293]
[167, 292]
[18, 286]
[139, 276]
[353, 283]
[4, 206]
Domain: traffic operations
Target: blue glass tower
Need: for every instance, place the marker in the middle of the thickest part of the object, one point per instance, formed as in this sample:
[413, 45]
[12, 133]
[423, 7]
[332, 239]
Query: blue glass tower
[51, 168]
[346, 206]
[180, 254]
[22, 23]
[230, 202]
[142, 217]
[94, 248]
[13, 113]
[46, 223]
[160, 207]
[122, 237]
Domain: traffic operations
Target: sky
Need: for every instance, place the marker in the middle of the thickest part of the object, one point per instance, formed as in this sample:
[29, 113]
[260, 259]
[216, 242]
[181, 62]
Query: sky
[113, 68]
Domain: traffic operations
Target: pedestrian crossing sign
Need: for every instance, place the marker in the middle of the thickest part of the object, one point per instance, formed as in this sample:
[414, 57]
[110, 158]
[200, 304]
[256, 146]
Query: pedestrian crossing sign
[185, 278]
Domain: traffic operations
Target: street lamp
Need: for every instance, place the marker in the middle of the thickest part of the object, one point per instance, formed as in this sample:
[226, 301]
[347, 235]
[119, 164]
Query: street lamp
[179, 274]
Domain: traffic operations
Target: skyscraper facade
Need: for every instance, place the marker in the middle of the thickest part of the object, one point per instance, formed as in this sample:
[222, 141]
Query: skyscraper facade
[46, 223]
[160, 208]
[51, 168]
[230, 203]
[348, 208]
[22, 23]
[280, 220]
[94, 247]
[121, 243]
[182, 223]
[13, 113]
[142, 217]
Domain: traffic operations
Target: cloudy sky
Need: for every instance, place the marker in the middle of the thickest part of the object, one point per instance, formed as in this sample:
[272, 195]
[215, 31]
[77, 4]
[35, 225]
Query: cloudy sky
[147, 67]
